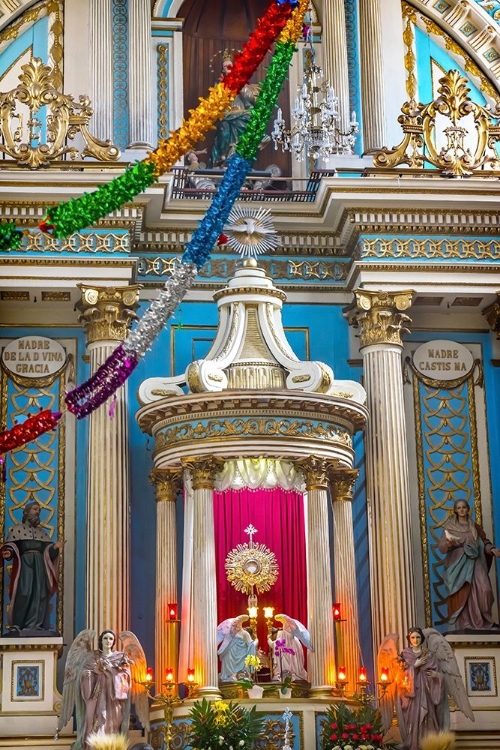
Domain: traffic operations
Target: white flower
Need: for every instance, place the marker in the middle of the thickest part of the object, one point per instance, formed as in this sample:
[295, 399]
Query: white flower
[242, 742]
[348, 747]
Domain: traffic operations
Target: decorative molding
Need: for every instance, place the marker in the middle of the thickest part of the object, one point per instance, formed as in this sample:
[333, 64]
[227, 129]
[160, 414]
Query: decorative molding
[162, 59]
[120, 73]
[316, 472]
[492, 315]
[204, 471]
[88, 242]
[379, 316]
[107, 312]
[342, 484]
[167, 483]
[433, 248]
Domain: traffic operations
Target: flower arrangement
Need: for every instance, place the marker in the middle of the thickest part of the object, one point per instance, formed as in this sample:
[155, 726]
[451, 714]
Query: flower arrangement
[221, 724]
[353, 729]
[252, 665]
[108, 741]
[281, 648]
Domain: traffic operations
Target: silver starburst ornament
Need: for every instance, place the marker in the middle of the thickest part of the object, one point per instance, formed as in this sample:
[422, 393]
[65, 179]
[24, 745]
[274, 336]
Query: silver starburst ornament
[250, 231]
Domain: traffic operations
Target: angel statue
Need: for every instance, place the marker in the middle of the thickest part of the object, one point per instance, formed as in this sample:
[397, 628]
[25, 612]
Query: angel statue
[235, 644]
[101, 685]
[286, 648]
[421, 678]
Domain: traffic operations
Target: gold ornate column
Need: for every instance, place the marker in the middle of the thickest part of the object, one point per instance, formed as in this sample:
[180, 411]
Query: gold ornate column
[380, 319]
[321, 661]
[204, 582]
[107, 313]
[348, 650]
[492, 315]
[335, 55]
[167, 483]
[372, 75]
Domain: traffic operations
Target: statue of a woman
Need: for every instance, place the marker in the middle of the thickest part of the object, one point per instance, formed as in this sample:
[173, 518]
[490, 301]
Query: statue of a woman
[468, 559]
[102, 685]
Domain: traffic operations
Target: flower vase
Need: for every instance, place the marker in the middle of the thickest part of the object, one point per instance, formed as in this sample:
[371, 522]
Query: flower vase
[256, 692]
[286, 693]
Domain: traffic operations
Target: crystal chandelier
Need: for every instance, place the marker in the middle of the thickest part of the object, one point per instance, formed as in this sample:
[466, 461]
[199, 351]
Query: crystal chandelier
[315, 131]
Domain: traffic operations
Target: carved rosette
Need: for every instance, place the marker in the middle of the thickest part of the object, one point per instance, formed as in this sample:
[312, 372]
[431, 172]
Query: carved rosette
[167, 483]
[492, 315]
[379, 316]
[204, 471]
[107, 312]
[342, 484]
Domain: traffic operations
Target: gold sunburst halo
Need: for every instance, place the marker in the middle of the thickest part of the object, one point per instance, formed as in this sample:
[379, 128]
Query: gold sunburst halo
[251, 565]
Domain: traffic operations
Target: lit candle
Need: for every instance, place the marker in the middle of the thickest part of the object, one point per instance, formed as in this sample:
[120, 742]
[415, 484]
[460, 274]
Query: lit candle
[268, 613]
[384, 674]
[363, 677]
[342, 675]
[149, 674]
[337, 612]
[252, 612]
[172, 611]
[190, 676]
[169, 674]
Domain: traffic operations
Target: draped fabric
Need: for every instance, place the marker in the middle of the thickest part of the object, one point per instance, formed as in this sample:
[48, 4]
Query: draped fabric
[278, 516]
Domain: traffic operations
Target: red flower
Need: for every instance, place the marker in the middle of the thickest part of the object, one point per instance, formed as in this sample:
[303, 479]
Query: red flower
[345, 736]
[355, 736]
[334, 725]
[334, 737]
[377, 737]
[368, 727]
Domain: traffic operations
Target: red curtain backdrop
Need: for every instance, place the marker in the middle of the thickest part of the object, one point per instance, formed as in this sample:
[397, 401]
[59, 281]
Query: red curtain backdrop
[278, 517]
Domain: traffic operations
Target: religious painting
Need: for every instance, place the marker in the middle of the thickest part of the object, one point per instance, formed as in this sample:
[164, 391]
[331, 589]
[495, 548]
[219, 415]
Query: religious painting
[481, 676]
[27, 682]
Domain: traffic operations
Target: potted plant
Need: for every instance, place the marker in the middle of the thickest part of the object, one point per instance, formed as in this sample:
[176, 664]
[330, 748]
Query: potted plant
[252, 665]
[353, 729]
[220, 724]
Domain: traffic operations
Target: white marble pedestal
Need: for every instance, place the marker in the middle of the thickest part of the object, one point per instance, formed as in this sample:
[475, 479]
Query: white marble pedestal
[29, 696]
[478, 657]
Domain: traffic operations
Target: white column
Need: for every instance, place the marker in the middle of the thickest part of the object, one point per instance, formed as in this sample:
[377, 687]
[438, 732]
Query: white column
[101, 67]
[141, 113]
[204, 582]
[380, 319]
[166, 631]
[335, 55]
[106, 316]
[346, 593]
[321, 661]
[372, 75]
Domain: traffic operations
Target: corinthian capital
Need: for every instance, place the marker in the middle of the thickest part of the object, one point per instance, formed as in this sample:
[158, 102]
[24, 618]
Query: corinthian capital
[315, 471]
[379, 316]
[107, 312]
[342, 483]
[492, 315]
[167, 483]
[204, 471]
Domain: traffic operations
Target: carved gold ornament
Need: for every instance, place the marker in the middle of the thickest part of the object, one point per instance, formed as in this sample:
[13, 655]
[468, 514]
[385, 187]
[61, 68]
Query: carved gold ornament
[251, 565]
[459, 148]
[23, 122]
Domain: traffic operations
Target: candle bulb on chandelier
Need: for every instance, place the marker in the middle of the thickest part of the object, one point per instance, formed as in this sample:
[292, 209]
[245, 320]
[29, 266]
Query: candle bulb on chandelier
[269, 613]
[190, 676]
[169, 675]
[172, 611]
[384, 674]
[149, 674]
[342, 674]
[363, 677]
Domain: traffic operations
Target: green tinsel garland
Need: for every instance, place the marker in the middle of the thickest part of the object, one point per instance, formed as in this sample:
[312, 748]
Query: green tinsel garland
[10, 237]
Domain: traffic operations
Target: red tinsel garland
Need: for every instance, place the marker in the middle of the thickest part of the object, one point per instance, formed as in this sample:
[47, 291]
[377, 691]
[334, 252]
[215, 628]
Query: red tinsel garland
[32, 428]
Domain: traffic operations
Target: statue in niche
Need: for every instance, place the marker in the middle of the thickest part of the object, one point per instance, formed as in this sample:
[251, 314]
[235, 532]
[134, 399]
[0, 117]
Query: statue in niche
[34, 575]
[285, 644]
[235, 644]
[469, 555]
[228, 130]
[102, 685]
[421, 678]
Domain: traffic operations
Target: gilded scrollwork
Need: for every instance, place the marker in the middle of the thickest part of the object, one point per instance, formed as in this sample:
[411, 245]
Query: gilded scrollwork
[434, 248]
[342, 483]
[316, 472]
[167, 483]
[204, 470]
[379, 316]
[107, 312]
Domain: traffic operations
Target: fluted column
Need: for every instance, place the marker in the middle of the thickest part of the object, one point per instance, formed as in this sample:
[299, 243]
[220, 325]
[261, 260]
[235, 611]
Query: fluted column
[321, 661]
[204, 582]
[167, 483]
[372, 75]
[348, 649]
[335, 55]
[101, 62]
[106, 316]
[142, 125]
[380, 319]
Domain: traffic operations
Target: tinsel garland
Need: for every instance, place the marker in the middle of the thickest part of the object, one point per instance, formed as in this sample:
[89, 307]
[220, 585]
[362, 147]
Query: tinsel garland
[10, 236]
[78, 213]
[32, 428]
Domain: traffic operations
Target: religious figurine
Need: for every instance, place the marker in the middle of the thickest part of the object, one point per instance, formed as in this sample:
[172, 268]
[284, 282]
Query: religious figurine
[421, 678]
[194, 165]
[286, 648]
[101, 685]
[34, 576]
[469, 555]
[235, 644]
[228, 130]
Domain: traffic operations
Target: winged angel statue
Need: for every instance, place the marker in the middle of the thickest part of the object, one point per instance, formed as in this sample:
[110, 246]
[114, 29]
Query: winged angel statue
[235, 644]
[101, 685]
[421, 678]
[288, 654]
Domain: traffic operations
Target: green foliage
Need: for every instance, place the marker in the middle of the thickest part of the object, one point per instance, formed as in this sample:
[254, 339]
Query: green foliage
[357, 728]
[10, 236]
[220, 724]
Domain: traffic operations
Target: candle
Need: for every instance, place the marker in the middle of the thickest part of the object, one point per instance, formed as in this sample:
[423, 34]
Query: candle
[268, 613]
[337, 612]
[172, 611]
[342, 675]
[384, 674]
[190, 676]
[149, 674]
[363, 677]
[169, 675]
[252, 612]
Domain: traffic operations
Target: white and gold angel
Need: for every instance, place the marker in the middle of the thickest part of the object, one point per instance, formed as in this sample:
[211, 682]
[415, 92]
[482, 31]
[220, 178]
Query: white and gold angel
[101, 685]
[235, 644]
[420, 680]
[286, 647]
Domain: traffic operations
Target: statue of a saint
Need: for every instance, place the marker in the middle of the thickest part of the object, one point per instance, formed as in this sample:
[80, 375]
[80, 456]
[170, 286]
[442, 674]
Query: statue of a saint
[102, 685]
[286, 649]
[229, 129]
[235, 644]
[469, 554]
[34, 576]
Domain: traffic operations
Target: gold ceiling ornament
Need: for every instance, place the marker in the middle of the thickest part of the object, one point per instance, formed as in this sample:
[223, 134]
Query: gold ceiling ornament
[467, 143]
[24, 121]
[251, 565]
